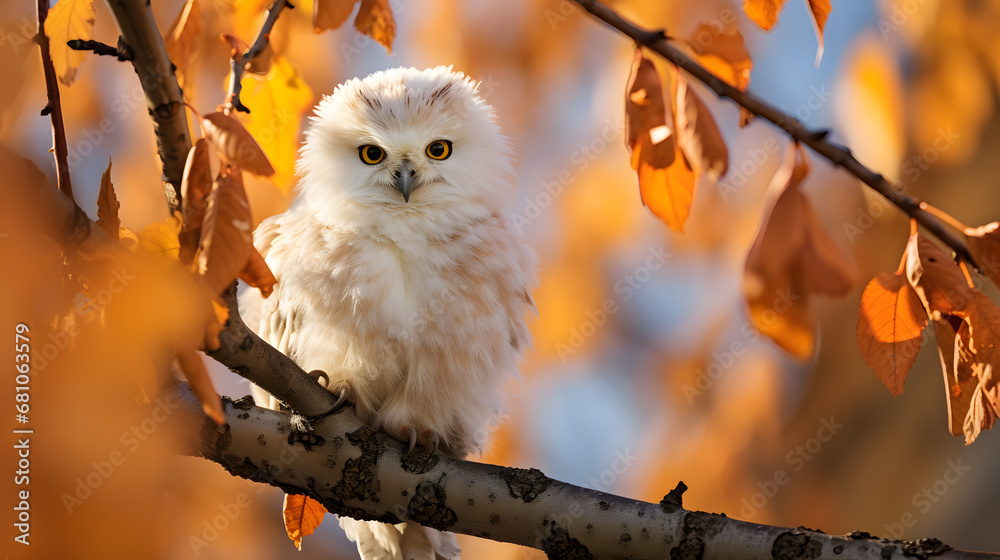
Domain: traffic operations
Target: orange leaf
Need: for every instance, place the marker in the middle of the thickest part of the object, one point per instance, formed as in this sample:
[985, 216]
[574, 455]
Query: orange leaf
[234, 144]
[375, 20]
[257, 274]
[722, 52]
[791, 258]
[698, 136]
[331, 14]
[196, 185]
[182, 41]
[936, 278]
[981, 416]
[820, 12]
[225, 236]
[889, 328]
[984, 244]
[763, 12]
[216, 322]
[108, 205]
[302, 516]
[959, 383]
[197, 376]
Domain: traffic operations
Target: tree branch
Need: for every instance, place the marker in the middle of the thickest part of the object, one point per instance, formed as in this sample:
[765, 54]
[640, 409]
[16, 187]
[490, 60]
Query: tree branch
[54, 106]
[363, 474]
[122, 52]
[817, 140]
[238, 64]
[164, 97]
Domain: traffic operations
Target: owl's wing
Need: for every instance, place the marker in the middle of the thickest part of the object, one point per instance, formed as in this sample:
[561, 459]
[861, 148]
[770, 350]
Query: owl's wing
[410, 541]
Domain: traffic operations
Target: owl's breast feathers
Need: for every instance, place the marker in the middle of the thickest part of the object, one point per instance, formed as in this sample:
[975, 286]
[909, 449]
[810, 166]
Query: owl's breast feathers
[422, 328]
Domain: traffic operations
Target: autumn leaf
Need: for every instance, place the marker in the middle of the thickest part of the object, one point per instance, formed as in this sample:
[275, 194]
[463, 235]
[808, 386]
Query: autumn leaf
[959, 383]
[68, 20]
[763, 12]
[225, 235]
[234, 144]
[108, 205]
[697, 134]
[889, 328]
[792, 257]
[984, 244]
[666, 180]
[721, 52]
[182, 42]
[936, 278]
[196, 184]
[375, 20]
[257, 274]
[247, 16]
[980, 417]
[201, 384]
[302, 516]
[216, 322]
[820, 12]
[161, 238]
[331, 14]
[277, 101]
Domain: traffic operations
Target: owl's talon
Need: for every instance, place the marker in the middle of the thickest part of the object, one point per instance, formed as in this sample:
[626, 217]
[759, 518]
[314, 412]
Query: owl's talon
[412, 432]
[317, 374]
[341, 398]
[434, 442]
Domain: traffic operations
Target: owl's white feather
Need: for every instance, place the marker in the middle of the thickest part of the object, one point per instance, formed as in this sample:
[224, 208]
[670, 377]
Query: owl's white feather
[417, 306]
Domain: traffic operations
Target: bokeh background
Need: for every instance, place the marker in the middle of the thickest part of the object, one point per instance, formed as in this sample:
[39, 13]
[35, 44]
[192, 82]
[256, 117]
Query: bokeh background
[673, 385]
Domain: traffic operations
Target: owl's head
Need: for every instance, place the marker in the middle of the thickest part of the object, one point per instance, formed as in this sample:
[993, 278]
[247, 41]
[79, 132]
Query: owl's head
[405, 142]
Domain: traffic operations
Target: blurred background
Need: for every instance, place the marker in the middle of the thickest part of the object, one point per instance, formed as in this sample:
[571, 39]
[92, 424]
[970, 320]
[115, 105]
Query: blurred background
[673, 384]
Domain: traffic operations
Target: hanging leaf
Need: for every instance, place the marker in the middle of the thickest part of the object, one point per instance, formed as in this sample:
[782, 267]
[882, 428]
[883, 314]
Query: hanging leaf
[68, 20]
[936, 278]
[722, 53]
[225, 235]
[959, 383]
[819, 10]
[331, 14]
[182, 42]
[257, 274]
[763, 12]
[697, 134]
[792, 257]
[161, 238]
[302, 516]
[984, 244]
[277, 101]
[108, 206]
[375, 20]
[201, 384]
[890, 325]
[234, 144]
[196, 185]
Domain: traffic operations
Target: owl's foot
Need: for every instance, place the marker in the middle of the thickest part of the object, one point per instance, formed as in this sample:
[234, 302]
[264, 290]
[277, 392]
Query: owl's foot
[426, 438]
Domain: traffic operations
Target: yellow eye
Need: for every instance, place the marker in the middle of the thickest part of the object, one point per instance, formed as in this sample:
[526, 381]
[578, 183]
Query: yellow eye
[439, 149]
[371, 154]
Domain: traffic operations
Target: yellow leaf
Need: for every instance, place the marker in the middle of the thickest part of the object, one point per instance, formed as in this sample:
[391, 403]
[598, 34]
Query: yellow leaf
[890, 324]
[302, 516]
[277, 101]
[161, 238]
[331, 14]
[247, 17]
[763, 12]
[820, 12]
[182, 42]
[68, 20]
[108, 205]
[375, 20]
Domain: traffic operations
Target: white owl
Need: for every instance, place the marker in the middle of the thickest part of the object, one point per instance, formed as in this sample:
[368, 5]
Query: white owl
[398, 273]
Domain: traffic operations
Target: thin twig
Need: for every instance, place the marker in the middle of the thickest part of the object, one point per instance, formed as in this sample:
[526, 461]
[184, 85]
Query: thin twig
[54, 106]
[239, 62]
[122, 52]
[838, 155]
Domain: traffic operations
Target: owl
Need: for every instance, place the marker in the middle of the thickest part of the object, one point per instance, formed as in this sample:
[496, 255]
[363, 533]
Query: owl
[399, 275]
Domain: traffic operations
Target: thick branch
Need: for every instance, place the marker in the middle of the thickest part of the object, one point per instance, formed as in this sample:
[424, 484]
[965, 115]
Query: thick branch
[239, 62]
[817, 140]
[164, 98]
[360, 473]
[54, 106]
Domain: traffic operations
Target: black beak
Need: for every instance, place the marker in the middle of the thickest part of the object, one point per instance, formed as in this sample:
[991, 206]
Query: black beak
[404, 179]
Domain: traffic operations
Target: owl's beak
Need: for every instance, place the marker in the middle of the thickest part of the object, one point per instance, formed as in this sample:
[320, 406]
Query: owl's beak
[404, 179]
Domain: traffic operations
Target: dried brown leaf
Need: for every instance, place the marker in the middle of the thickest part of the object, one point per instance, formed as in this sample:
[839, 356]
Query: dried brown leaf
[108, 205]
[984, 244]
[183, 39]
[196, 185]
[234, 144]
[959, 383]
[890, 324]
[936, 278]
[697, 134]
[331, 14]
[302, 516]
[375, 20]
[197, 376]
[257, 274]
[225, 236]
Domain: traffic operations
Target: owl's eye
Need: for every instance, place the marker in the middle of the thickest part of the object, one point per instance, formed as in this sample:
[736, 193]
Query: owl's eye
[439, 149]
[371, 154]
